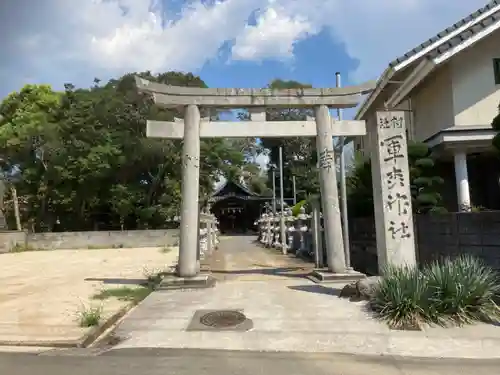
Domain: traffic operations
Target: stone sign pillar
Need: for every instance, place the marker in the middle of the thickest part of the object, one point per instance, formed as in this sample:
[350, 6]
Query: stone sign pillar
[329, 191]
[189, 231]
[391, 190]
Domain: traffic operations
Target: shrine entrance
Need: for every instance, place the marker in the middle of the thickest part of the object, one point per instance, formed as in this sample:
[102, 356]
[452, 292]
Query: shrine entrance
[386, 135]
[236, 208]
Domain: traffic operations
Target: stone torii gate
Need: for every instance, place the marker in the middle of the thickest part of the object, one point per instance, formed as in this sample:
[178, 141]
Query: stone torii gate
[323, 127]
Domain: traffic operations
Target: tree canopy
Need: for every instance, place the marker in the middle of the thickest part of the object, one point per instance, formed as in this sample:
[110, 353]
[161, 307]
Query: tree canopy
[83, 162]
[299, 153]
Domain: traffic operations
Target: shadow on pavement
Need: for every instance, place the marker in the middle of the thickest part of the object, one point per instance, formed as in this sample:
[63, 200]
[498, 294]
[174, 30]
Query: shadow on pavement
[290, 272]
[119, 281]
[318, 289]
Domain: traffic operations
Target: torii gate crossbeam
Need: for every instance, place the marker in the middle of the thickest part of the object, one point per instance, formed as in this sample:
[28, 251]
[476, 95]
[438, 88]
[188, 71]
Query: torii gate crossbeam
[257, 101]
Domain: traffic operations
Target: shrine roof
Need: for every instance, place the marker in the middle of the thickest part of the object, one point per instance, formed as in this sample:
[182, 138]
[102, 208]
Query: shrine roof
[223, 189]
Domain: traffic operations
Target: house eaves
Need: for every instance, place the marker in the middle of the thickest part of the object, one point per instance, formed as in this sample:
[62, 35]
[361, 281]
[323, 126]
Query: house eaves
[446, 43]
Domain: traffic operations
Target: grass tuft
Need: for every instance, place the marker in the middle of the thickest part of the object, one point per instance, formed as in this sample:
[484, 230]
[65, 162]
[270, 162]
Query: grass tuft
[90, 316]
[21, 248]
[450, 292]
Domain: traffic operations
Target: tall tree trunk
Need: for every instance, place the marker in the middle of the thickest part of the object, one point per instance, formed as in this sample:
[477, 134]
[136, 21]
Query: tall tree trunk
[15, 201]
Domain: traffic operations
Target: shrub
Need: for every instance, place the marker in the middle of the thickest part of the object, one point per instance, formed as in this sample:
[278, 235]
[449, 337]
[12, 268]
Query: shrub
[297, 207]
[463, 290]
[425, 184]
[400, 298]
[454, 291]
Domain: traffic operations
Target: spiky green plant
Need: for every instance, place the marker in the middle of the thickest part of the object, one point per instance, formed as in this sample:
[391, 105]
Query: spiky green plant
[463, 290]
[448, 292]
[89, 316]
[400, 298]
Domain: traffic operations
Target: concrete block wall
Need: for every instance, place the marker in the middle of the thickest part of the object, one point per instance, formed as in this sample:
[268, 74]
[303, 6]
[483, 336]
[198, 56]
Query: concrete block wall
[437, 236]
[453, 234]
[91, 239]
[9, 239]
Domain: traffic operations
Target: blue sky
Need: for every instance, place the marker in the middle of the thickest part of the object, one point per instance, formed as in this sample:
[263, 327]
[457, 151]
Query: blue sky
[231, 43]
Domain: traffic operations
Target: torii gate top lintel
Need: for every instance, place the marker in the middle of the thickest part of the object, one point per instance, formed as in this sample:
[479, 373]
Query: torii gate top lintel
[174, 96]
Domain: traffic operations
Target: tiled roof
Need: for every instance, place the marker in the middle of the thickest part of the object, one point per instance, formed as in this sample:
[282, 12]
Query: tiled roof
[466, 34]
[237, 184]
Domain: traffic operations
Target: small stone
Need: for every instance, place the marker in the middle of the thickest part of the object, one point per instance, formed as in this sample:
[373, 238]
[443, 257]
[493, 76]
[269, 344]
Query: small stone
[365, 287]
[350, 290]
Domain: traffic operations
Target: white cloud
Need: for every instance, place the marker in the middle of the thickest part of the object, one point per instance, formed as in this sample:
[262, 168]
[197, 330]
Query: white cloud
[58, 41]
[274, 36]
[121, 35]
[141, 41]
[262, 160]
[373, 31]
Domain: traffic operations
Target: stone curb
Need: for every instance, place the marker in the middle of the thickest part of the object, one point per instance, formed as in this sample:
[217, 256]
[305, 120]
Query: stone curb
[383, 345]
[372, 358]
[82, 342]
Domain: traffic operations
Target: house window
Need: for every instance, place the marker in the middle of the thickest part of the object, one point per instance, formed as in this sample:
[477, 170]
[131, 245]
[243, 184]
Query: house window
[496, 69]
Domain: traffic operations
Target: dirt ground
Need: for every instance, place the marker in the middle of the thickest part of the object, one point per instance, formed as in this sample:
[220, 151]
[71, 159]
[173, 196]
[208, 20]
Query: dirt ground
[41, 292]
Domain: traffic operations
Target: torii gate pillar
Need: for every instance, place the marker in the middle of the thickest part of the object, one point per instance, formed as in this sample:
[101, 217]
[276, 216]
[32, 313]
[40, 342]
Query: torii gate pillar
[329, 192]
[257, 100]
[190, 189]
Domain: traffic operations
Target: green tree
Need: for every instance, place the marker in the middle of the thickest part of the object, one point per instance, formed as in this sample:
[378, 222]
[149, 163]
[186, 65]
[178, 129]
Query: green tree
[359, 188]
[425, 185]
[299, 153]
[85, 161]
[255, 179]
[29, 139]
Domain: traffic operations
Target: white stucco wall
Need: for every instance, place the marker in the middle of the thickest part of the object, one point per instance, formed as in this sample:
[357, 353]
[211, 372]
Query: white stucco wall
[475, 95]
[432, 104]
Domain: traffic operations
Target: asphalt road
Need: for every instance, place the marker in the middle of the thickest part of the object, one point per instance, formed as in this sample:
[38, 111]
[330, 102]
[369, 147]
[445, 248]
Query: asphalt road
[211, 362]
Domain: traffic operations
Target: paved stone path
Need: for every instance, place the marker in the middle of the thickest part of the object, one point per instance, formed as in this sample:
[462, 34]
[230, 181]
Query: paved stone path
[289, 314]
[240, 258]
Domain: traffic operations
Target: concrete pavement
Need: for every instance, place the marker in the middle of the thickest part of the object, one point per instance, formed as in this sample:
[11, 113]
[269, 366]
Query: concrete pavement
[213, 362]
[289, 314]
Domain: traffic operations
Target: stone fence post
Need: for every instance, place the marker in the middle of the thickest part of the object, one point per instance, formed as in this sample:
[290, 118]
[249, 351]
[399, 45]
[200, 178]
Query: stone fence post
[298, 234]
[302, 226]
[289, 239]
[317, 233]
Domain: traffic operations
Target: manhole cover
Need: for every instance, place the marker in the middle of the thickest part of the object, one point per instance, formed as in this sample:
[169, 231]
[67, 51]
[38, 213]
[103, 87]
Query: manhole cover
[222, 319]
